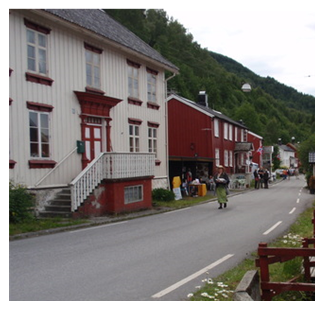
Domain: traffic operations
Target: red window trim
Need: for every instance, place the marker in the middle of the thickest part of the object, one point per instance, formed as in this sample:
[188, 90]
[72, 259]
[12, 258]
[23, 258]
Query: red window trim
[153, 105]
[134, 101]
[133, 64]
[41, 164]
[153, 124]
[152, 71]
[36, 27]
[40, 79]
[92, 48]
[12, 164]
[134, 121]
[94, 90]
[42, 107]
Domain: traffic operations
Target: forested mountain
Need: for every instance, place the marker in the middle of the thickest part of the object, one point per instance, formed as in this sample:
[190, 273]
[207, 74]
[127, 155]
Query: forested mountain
[272, 110]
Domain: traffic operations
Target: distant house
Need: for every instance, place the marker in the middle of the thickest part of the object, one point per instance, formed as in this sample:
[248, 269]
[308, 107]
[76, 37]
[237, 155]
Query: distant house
[87, 110]
[257, 153]
[288, 156]
[200, 139]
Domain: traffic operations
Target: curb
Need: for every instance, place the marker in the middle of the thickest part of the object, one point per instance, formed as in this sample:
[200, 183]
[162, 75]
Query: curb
[96, 221]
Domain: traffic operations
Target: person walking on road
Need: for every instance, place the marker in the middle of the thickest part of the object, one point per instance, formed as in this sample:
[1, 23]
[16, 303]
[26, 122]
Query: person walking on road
[266, 177]
[257, 179]
[222, 181]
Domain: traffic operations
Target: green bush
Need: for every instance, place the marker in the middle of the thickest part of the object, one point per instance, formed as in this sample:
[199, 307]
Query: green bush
[161, 194]
[20, 203]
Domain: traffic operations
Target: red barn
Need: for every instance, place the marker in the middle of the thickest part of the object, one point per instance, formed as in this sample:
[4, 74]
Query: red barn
[200, 138]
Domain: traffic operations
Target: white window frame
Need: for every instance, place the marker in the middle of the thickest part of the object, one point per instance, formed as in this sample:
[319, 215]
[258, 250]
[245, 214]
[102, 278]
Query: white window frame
[231, 159]
[225, 131]
[133, 82]
[134, 138]
[230, 132]
[35, 49]
[152, 87]
[217, 157]
[133, 194]
[93, 72]
[39, 131]
[226, 162]
[216, 128]
[152, 140]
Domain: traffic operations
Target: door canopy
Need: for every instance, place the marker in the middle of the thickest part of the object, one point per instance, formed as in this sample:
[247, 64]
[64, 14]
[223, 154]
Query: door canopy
[94, 104]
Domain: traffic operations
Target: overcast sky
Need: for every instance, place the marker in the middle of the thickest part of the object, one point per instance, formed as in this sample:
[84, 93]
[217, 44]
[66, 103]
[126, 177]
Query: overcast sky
[272, 38]
[277, 41]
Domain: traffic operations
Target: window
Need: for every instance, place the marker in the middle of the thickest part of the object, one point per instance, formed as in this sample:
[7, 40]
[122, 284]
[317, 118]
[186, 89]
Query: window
[225, 131]
[230, 159]
[134, 138]
[226, 162]
[217, 156]
[152, 140]
[36, 52]
[152, 85]
[243, 135]
[230, 132]
[133, 79]
[133, 194]
[93, 69]
[39, 135]
[236, 134]
[216, 128]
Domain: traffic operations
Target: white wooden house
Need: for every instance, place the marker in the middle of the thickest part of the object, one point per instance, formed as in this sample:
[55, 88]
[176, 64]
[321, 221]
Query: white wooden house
[87, 110]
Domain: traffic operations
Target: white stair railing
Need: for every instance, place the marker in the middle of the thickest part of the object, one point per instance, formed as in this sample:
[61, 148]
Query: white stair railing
[110, 166]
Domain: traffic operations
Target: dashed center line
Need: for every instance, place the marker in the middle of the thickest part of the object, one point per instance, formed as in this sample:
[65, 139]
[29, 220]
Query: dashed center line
[272, 228]
[293, 210]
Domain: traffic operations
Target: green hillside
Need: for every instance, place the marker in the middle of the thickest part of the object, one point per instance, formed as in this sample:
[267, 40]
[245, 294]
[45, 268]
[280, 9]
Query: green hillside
[272, 110]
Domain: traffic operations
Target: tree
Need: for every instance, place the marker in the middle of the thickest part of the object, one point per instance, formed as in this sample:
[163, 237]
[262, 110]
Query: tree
[248, 114]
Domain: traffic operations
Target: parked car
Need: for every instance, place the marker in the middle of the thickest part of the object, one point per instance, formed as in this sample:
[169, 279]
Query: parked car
[279, 172]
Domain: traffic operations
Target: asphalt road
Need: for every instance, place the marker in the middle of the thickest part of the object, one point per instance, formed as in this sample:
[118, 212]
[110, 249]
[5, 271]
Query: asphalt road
[160, 257]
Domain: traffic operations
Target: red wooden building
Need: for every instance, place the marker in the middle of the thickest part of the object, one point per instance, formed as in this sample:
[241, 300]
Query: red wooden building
[200, 138]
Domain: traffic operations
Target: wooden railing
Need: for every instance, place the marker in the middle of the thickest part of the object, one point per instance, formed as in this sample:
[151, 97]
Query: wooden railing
[110, 166]
[268, 256]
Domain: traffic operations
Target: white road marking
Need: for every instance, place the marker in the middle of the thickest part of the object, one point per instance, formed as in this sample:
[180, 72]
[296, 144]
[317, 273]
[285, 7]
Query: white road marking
[191, 277]
[293, 210]
[96, 227]
[273, 227]
[298, 200]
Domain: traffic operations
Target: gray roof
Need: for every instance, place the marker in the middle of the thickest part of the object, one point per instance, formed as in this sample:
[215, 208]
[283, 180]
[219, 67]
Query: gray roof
[214, 113]
[286, 148]
[244, 147]
[102, 24]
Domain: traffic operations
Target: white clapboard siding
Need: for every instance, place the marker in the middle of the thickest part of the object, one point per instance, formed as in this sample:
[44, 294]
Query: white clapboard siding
[66, 66]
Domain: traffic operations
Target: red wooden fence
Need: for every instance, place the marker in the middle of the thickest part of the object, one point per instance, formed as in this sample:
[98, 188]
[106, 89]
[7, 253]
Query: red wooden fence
[268, 256]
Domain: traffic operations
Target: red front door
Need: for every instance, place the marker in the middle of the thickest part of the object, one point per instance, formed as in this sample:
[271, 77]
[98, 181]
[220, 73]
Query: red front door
[93, 137]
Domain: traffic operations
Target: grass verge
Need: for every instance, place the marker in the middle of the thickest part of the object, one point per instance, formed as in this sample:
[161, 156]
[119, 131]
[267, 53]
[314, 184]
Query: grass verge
[33, 225]
[222, 288]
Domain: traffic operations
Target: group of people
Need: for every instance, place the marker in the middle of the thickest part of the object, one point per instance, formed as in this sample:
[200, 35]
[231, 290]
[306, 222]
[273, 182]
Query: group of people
[218, 183]
[261, 177]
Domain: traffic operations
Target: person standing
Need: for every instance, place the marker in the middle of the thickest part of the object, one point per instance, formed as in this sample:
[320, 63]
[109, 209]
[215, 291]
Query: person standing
[261, 174]
[257, 179]
[266, 177]
[222, 181]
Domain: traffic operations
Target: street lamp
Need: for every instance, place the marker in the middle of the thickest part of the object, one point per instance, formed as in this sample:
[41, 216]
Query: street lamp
[246, 88]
